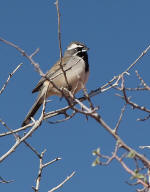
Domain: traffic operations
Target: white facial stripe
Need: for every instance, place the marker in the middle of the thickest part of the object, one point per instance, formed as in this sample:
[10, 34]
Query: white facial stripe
[73, 46]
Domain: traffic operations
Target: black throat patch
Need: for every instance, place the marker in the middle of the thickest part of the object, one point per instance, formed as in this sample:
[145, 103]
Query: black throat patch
[84, 56]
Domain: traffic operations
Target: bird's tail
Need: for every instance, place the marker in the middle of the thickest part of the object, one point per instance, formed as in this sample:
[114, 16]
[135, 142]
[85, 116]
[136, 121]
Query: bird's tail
[33, 109]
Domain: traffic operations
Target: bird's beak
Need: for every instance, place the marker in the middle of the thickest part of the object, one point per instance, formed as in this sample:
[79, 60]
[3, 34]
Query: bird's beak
[85, 49]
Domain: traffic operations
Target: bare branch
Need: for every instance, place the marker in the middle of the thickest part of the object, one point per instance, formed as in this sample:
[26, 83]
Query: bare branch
[20, 140]
[136, 89]
[120, 118]
[104, 159]
[18, 137]
[96, 116]
[134, 63]
[50, 162]
[134, 105]
[41, 167]
[59, 39]
[32, 149]
[9, 77]
[62, 183]
[29, 57]
[114, 81]
[144, 119]
[131, 172]
[67, 117]
[142, 81]
[143, 147]
[5, 125]
[2, 180]
[16, 130]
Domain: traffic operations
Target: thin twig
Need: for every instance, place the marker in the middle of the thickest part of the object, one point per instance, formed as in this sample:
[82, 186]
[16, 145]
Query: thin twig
[142, 81]
[60, 47]
[117, 78]
[32, 149]
[51, 162]
[108, 159]
[123, 109]
[136, 89]
[16, 130]
[36, 189]
[97, 117]
[144, 147]
[88, 98]
[5, 125]
[131, 172]
[68, 117]
[142, 54]
[22, 139]
[2, 180]
[9, 77]
[134, 105]
[41, 167]
[62, 183]
[144, 119]
[120, 118]
[29, 57]
[18, 137]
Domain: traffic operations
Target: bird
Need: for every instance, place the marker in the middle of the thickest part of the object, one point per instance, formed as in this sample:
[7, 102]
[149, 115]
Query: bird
[76, 68]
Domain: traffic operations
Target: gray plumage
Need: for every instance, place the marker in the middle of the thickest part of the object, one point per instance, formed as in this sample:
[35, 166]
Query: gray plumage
[74, 65]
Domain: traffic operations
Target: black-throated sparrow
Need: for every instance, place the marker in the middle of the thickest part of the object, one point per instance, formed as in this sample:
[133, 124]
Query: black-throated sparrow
[76, 67]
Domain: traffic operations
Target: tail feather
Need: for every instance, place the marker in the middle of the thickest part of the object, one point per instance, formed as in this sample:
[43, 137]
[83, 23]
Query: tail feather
[33, 110]
[42, 95]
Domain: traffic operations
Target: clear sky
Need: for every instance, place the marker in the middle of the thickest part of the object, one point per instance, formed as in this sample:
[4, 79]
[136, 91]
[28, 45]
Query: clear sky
[116, 32]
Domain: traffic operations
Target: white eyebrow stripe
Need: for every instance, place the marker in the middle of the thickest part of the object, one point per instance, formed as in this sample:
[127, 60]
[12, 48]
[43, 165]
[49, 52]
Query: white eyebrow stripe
[73, 46]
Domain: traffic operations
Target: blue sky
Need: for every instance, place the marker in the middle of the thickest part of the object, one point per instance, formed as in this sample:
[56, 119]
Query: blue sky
[116, 33]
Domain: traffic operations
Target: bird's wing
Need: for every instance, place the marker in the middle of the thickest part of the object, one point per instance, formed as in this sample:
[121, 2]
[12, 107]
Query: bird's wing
[55, 71]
